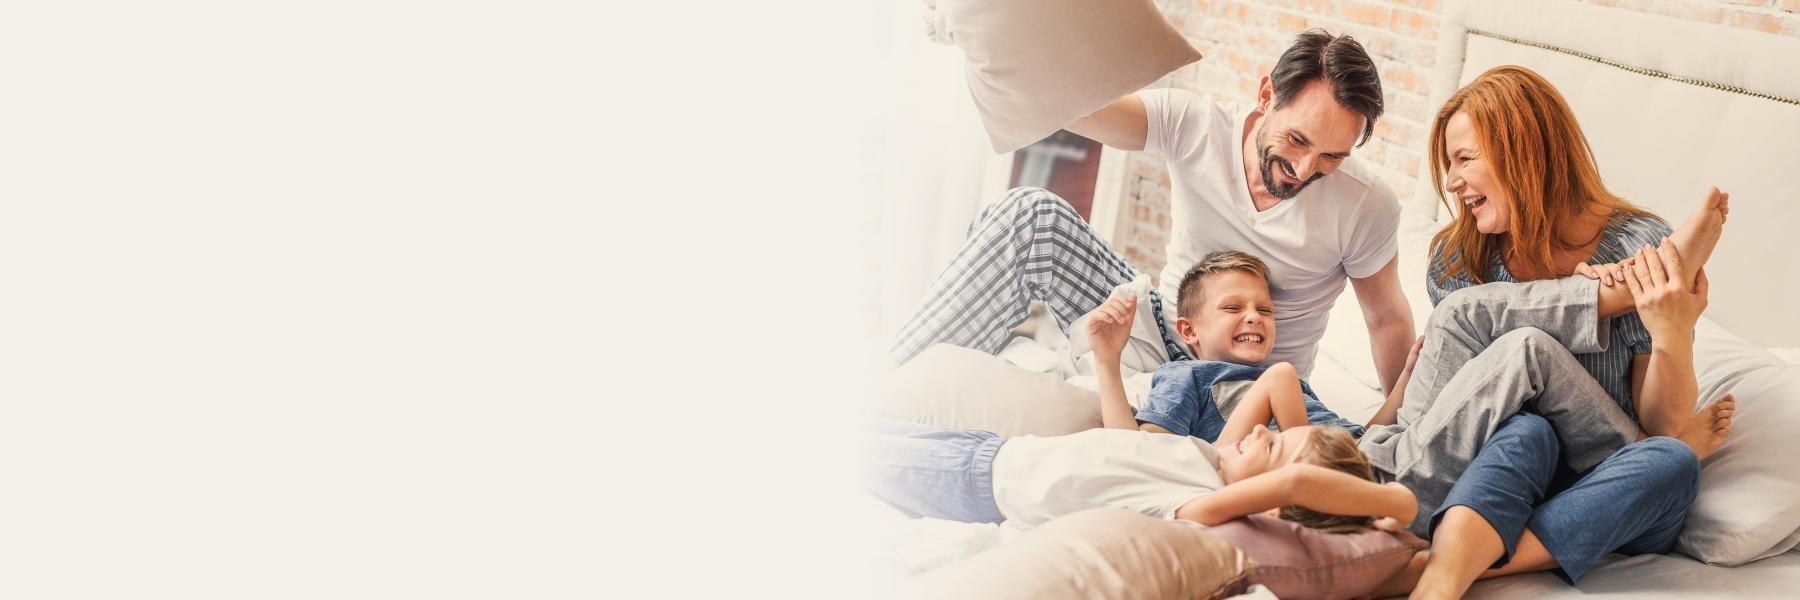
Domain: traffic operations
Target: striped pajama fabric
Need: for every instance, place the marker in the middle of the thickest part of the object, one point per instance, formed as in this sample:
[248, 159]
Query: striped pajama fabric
[1030, 246]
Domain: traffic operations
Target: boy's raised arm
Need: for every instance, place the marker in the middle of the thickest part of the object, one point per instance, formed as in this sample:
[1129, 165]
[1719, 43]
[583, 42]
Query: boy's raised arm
[1108, 327]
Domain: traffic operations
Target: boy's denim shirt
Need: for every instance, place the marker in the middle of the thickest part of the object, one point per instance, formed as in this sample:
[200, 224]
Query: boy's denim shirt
[1190, 397]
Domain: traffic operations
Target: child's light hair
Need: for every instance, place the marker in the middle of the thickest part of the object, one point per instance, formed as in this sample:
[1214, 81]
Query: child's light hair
[1188, 296]
[1332, 448]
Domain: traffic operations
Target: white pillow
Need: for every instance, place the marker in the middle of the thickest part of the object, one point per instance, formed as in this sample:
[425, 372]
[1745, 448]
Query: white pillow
[1749, 503]
[958, 388]
[1035, 66]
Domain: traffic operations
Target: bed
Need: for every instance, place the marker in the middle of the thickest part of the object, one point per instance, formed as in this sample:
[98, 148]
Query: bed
[1670, 107]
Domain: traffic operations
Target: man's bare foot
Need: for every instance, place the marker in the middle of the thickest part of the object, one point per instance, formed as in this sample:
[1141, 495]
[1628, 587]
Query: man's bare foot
[1402, 583]
[1696, 237]
[1706, 430]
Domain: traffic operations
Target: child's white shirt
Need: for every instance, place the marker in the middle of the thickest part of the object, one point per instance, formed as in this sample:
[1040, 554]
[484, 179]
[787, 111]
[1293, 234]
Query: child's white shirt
[1037, 479]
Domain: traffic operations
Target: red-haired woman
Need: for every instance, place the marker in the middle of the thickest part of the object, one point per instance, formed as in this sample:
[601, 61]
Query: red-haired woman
[1507, 152]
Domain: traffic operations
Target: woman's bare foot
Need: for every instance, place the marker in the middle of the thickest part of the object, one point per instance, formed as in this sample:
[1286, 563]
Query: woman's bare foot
[1696, 237]
[1706, 430]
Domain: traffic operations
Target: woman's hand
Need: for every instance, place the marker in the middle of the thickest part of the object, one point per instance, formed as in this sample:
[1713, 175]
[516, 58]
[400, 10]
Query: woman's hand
[1667, 305]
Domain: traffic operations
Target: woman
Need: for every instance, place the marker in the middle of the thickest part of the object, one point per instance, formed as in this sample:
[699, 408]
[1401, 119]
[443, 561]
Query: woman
[1531, 206]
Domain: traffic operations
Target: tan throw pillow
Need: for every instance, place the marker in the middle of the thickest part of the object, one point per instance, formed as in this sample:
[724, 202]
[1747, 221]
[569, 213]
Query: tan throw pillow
[1034, 66]
[1098, 553]
[958, 388]
[1297, 563]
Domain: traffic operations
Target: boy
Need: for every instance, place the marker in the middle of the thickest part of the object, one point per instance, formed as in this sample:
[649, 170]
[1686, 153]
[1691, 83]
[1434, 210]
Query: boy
[1227, 321]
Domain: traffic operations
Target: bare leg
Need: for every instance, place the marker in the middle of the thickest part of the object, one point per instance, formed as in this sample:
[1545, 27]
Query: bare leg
[1530, 556]
[1462, 548]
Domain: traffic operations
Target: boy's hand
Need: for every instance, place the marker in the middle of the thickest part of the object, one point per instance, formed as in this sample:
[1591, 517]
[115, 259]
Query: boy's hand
[1110, 325]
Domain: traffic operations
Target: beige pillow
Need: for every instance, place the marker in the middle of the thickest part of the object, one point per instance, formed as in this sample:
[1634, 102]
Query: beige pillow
[958, 388]
[1098, 553]
[1034, 66]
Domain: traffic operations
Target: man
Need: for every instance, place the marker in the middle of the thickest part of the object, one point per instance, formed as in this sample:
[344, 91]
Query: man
[1275, 180]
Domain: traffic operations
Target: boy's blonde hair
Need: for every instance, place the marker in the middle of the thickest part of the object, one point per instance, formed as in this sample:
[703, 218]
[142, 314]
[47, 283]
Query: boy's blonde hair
[1188, 296]
[1332, 448]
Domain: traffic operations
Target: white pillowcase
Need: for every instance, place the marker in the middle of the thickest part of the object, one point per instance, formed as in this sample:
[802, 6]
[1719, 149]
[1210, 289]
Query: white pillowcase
[958, 388]
[1749, 503]
[1035, 66]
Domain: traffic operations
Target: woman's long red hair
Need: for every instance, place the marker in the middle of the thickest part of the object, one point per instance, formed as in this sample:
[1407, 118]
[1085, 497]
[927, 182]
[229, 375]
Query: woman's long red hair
[1540, 158]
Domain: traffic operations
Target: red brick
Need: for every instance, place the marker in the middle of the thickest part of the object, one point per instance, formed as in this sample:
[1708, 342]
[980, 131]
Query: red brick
[1690, 11]
[1235, 11]
[1287, 21]
[1237, 61]
[1415, 24]
[1405, 161]
[1367, 13]
[1400, 132]
[1403, 77]
[1759, 22]
[1789, 5]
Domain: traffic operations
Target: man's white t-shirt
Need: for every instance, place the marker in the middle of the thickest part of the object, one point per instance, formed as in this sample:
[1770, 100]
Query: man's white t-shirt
[1343, 224]
[1037, 479]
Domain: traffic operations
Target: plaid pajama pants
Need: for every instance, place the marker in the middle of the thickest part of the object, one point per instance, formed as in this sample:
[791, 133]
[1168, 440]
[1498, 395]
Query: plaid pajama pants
[1030, 246]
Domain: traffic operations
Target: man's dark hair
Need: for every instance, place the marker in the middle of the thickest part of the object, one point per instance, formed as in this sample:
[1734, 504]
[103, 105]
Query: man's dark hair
[1337, 59]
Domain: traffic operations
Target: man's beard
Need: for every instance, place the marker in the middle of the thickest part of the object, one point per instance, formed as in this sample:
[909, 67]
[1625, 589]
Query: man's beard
[1269, 159]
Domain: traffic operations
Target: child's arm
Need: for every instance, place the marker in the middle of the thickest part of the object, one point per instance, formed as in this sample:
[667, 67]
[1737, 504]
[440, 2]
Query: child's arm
[1275, 394]
[1389, 412]
[1108, 327]
[1311, 486]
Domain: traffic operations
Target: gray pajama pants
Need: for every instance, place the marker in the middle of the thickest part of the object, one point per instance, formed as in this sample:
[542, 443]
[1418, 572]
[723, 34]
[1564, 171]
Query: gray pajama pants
[1490, 351]
[1030, 246]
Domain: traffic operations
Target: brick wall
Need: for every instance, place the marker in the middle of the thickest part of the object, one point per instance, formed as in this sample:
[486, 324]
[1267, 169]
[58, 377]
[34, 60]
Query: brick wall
[1241, 40]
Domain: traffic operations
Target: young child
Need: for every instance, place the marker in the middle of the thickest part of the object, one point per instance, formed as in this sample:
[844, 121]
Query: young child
[1315, 475]
[1227, 320]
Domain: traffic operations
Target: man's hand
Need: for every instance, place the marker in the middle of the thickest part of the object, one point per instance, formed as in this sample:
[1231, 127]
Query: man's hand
[1668, 306]
[1110, 325]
